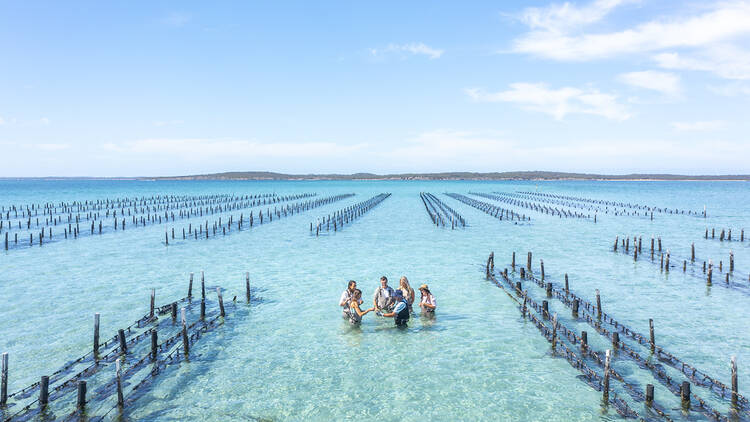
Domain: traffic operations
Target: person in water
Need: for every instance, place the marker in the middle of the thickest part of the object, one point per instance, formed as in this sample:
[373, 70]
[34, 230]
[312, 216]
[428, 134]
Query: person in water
[355, 313]
[427, 302]
[383, 297]
[400, 313]
[407, 292]
[346, 296]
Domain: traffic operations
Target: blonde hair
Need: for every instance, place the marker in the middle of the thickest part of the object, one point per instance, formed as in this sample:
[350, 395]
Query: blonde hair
[403, 285]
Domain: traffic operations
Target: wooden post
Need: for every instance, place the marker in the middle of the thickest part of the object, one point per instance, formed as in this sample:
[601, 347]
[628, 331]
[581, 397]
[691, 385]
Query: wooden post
[692, 252]
[185, 342]
[541, 263]
[153, 299]
[617, 239]
[554, 332]
[528, 262]
[81, 401]
[598, 305]
[566, 285]
[44, 391]
[513, 263]
[615, 340]
[576, 303]
[203, 286]
[221, 301]
[735, 391]
[154, 344]
[96, 334]
[685, 394]
[123, 343]
[731, 261]
[549, 289]
[649, 395]
[174, 311]
[651, 334]
[190, 287]
[710, 272]
[523, 308]
[666, 265]
[584, 340]
[606, 375]
[203, 309]
[118, 376]
[4, 381]
[247, 286]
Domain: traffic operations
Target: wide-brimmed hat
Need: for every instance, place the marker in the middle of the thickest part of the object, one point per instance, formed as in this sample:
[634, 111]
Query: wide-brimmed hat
[424, 286]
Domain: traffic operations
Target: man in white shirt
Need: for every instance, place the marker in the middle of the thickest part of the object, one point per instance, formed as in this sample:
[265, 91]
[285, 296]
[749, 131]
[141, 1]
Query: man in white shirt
[383, 297]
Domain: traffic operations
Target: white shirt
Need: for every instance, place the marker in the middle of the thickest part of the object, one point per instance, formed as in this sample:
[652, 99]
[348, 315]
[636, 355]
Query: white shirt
[429, 300]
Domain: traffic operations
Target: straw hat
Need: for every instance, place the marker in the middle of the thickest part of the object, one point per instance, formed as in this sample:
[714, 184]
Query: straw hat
[424, 286]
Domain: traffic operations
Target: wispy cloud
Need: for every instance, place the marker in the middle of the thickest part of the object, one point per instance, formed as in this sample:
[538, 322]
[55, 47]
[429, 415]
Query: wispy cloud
[556, 102]
[663, 82]
[726, 61]
[557, 41]
[708, 125]
[176, 19]
[562, 17]
[410, 49]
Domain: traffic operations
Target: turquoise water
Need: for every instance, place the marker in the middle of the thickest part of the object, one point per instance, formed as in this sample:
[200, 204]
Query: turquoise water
[290, 356]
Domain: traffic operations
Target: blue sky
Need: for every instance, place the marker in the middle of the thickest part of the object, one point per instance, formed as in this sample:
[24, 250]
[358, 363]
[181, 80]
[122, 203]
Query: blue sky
[166, 87]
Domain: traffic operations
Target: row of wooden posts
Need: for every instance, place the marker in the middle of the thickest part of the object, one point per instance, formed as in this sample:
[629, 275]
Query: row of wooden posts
[122, 345]
[725, 235]
[347, 215]
[663, 210]
[542, 209]
[564, 296]
[664, 263]
[490, 209]
[155, 202]
[204, 231]
[440, 212]
[75, 230]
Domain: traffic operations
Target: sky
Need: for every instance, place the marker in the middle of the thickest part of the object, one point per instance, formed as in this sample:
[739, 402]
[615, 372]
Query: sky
[159, 88]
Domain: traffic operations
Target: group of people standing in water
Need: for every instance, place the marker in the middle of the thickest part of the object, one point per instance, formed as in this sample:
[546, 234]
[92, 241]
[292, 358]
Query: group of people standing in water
[387, 301]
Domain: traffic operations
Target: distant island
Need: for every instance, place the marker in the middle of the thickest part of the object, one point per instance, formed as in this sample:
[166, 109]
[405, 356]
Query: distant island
[510, 175]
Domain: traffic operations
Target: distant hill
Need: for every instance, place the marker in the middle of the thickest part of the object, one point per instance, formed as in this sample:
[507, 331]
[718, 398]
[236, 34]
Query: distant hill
[511, 175]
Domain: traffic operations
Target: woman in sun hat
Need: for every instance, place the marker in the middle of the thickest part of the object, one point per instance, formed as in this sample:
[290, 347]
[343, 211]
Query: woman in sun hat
[427, 302]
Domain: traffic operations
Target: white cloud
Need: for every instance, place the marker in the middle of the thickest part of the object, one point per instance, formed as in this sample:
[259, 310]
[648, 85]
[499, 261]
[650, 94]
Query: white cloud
[707, 125]
[725, 22]
[556, 102]
[44, 121]
[408, 49]
[725, 61]
[559, 17]
[2, 121]
[664, 82]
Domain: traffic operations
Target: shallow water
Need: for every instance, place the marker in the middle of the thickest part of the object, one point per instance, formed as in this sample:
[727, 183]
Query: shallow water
[290, 356]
